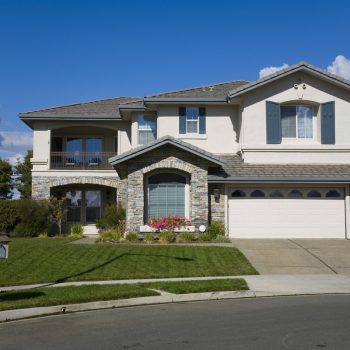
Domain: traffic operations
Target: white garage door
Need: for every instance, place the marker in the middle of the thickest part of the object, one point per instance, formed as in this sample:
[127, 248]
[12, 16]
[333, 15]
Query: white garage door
[287, 213]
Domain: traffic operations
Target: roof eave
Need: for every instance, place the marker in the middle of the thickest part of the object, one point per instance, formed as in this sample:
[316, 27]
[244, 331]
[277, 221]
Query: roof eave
[172, 100]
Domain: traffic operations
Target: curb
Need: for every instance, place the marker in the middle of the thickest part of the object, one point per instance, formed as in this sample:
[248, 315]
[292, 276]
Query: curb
[12, 315]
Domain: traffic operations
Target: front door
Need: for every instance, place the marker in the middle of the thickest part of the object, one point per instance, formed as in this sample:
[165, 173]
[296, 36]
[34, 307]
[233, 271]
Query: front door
[93, 205]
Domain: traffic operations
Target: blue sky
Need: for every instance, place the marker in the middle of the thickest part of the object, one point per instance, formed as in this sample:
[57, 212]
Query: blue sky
[61, 52]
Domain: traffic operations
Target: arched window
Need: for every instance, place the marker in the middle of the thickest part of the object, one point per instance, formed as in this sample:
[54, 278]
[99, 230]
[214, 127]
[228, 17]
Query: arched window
[238, 193]
[314, 194]
[276, 194]
[166, 195]
[295, 194]
[333, 194]
[257, 194]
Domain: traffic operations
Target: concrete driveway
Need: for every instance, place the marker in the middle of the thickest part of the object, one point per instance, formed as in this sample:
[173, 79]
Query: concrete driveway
[297, 256]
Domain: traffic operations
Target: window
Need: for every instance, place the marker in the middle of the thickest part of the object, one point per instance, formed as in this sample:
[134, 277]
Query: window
[192, 118]
[314, 194]
[238, 193]
[333, 194]
[147, 129]
[295, 194]
[296, 122]
[276, 194]
[257, 194]
[166, 195]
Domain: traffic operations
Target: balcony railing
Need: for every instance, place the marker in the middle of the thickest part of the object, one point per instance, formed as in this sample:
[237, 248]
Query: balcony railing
[81, 160]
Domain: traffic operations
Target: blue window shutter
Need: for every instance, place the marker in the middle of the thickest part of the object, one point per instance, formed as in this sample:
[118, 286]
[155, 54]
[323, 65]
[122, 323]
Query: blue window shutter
[328, 123]
[182, 120]
[273, 123]
[202, 126]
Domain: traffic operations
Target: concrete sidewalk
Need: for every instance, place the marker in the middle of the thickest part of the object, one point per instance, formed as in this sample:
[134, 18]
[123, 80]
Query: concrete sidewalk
[260, 286]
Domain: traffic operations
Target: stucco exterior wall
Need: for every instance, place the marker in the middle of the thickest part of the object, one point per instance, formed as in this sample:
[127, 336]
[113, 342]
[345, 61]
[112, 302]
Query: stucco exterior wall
[222, 128]
[253, 138]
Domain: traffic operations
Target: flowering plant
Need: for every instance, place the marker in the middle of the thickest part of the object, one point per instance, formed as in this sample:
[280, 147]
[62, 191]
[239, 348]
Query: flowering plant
[169, 223]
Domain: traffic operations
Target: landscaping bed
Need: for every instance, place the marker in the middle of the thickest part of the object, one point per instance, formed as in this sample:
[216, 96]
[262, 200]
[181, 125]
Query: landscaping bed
[38, 260]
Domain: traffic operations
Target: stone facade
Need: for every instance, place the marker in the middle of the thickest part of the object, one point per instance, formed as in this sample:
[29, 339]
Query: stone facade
[172, 158]
[41, 185]
[217, 206]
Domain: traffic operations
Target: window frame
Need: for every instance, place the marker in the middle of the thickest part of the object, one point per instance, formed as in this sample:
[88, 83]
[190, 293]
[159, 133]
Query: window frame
[297, 122]
[155, 132]
[166, 171]
[192, 120]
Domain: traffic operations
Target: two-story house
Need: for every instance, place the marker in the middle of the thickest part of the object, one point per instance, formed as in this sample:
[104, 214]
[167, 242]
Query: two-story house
[270, 158]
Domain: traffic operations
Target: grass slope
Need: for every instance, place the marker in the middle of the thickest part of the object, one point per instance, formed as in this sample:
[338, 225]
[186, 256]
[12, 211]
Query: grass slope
[70, 295]
[53, 260]
[184, 287]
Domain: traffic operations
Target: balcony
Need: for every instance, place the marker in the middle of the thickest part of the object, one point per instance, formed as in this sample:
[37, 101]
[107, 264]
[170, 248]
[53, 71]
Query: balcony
[81, 160]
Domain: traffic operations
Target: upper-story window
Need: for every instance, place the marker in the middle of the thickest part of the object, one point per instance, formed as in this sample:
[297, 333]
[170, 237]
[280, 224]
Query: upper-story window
[296, 122]
[147, 129]
[192, 120]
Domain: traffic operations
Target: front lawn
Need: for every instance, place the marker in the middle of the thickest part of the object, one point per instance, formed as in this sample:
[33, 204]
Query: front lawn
[53, 260]
[70, 295]
[184, 287]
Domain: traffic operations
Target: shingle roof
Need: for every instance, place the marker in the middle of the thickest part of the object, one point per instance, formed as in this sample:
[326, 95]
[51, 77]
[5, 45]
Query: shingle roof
[289, 70]
[163, 141]
[235, 169]
[212, 90]
[99, 108]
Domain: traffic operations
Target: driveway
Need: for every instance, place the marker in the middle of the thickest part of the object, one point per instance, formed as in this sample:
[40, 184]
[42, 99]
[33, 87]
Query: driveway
[297, 256]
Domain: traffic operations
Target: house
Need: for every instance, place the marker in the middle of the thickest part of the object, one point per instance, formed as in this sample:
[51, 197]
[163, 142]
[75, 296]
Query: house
[270, 158]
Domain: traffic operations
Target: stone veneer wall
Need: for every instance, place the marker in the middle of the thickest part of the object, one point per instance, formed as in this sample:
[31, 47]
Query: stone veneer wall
[41, 185]
[167, 158]
[217, 208]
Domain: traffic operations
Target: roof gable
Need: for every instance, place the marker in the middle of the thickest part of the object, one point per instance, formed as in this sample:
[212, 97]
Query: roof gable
[302, 66]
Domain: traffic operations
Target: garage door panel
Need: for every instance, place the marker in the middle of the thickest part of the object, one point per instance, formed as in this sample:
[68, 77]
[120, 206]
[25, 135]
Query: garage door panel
[286, 218]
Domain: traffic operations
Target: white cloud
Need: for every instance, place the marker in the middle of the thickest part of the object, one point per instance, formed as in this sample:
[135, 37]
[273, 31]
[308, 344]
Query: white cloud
[14, 159]
[340, 66]
[15, 141]
[270, 70]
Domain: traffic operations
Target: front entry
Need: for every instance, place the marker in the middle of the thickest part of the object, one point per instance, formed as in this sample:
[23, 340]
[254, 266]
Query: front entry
[84, 205]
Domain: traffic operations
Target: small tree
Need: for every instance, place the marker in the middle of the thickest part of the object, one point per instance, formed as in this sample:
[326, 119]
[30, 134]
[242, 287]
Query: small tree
[6, 182]
[57, 211]
[24, 172]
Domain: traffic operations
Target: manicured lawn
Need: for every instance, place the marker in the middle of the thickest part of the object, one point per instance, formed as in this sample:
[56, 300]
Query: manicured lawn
[184, 287]
[54, 260]
[70, 295]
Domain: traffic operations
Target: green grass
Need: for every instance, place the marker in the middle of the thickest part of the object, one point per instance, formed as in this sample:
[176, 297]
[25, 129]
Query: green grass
[70, 295]
[53, 260]
[184, 287]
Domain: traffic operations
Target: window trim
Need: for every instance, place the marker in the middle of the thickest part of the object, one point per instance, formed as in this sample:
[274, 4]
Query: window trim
[162, 171]
[192, 120]
[312, 107]
[138, 126]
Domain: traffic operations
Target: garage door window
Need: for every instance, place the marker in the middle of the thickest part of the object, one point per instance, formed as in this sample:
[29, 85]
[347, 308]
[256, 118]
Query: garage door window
[276, 194]
[238, 193]
[314, 194]
[333, 194]
[257, 193]
[295, 194]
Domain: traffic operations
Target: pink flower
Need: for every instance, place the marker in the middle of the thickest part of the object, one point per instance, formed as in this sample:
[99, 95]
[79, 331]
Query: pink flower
[169, 223]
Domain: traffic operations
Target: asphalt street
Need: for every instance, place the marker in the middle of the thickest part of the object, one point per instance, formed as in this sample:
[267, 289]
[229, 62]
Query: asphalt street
[299, 322]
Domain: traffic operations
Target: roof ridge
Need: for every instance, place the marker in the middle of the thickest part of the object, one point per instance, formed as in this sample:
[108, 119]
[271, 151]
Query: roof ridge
[80, 103]
[197, 87]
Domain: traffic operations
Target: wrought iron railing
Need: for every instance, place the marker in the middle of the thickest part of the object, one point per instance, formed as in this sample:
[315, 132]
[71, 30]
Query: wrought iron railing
[81, 160]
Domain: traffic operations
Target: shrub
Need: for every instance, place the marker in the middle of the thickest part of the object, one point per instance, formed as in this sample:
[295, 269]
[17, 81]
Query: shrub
[75, 236]
[167, 237]
[169, 223]
[8, 216]
[33, 217]
[205, 237]
[77, 229]
[43, 235]
[216, 228]
[185, 237]
[113, 217]
[149, 237]
[221, 239]
[132, 237]
[109, 236]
